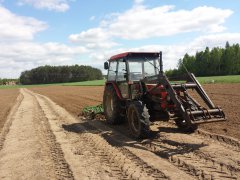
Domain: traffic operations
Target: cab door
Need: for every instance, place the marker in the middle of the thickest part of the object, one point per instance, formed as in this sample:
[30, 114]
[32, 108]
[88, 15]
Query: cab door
[112, 71]
[122, 78]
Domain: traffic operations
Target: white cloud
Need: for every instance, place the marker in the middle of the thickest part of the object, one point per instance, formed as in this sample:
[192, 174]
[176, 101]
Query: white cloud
[137, 2]
[93, 38]
[17, 57]
[19, 52]
[216, 40]
[52, 5]
[90, 36]
[142, 23]
[172, 53]
[13, 27]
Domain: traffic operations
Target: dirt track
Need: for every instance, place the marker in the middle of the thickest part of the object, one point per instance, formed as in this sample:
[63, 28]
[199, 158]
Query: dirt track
[41, 140]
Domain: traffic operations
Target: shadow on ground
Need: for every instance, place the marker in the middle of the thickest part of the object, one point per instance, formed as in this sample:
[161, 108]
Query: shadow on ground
[119, 136]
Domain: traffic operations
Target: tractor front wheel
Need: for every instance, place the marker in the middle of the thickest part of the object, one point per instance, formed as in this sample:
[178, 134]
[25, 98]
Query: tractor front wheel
[138, 119]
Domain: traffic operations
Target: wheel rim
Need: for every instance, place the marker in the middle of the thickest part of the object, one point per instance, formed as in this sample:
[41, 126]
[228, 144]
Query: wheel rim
[134, 121]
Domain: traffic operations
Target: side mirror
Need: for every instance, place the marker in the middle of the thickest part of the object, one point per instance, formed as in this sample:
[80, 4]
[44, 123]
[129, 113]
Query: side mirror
[106, 66]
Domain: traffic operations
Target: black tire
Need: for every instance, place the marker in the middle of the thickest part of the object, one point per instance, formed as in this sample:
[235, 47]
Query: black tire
[137, 114]
[184, 126]
[112, 106]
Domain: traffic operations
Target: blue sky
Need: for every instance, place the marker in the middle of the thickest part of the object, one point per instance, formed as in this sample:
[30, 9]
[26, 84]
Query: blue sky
[65, 32]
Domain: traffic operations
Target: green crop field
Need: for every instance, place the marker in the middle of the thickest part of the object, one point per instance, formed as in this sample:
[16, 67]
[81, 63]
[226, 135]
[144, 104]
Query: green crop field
[86, 83]
[219, 79]
[202, 80]
[26, 86]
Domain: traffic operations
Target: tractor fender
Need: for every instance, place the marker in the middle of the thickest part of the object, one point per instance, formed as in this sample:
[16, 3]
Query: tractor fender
[115, 88]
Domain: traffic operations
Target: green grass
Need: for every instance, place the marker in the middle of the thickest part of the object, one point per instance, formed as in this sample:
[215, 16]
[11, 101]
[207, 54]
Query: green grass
[202, 80]
[24, 86]
[219, 79]
[86, 83]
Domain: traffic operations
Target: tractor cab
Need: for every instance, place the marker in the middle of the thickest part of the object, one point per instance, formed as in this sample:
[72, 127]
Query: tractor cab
[138, 90]
[127, 70]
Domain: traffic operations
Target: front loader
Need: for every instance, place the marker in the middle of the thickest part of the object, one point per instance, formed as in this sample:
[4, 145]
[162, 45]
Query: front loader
[137, 90]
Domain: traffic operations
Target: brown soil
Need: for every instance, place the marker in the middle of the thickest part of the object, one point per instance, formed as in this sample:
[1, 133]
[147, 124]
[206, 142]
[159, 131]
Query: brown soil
[41, 140]
[73, 98]
[225, 95]
[8, 97]
[28, 147]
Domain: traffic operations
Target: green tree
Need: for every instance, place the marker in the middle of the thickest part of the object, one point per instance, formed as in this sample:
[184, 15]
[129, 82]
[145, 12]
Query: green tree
[218, 61]
[60, 74]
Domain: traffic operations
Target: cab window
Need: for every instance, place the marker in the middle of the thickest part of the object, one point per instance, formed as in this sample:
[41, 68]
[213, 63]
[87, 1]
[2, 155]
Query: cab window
[121, 70]
[112, 71]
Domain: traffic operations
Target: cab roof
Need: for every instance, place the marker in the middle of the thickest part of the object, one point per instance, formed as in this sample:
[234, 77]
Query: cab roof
[134, 54]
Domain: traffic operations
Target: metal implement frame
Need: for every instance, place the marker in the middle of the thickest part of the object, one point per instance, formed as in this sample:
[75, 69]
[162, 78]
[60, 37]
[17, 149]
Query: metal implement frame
[199, 116]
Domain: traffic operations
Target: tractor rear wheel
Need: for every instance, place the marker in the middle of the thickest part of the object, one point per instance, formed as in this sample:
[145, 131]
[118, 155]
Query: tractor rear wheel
[138, 119]
[184, 126]
[112, 106]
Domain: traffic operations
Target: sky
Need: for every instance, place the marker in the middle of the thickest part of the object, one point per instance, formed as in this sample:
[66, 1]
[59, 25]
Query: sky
[88, 32]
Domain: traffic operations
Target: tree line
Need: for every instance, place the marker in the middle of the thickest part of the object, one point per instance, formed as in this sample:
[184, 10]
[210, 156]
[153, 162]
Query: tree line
[214, 62]
[60, 74]
[6, 81]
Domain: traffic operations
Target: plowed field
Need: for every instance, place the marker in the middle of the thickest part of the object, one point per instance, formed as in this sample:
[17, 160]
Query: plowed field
[41, 140]
[225, 95]
[228, 97]
[7, 100]
[72, 98]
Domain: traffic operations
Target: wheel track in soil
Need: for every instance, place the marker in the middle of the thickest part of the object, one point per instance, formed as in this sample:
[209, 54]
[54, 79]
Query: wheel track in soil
[51, 149]
[131, 151]
[46, 156]
[226, 141]
[120, 165]
[219, 162]
[196, 162]
[193, 162]
[76, 149]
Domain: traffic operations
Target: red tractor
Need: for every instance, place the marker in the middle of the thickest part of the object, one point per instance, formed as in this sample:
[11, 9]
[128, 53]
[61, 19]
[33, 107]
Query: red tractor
[138, 90]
